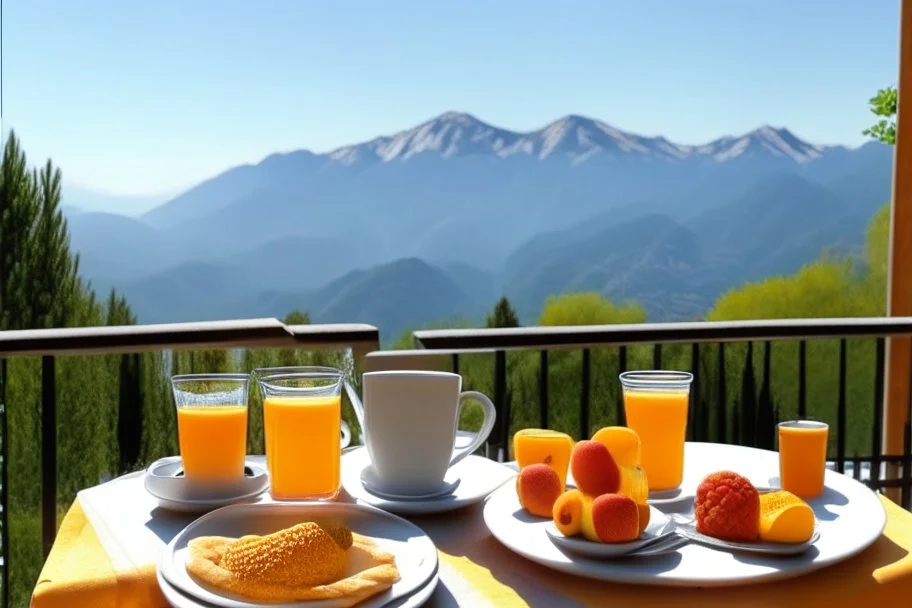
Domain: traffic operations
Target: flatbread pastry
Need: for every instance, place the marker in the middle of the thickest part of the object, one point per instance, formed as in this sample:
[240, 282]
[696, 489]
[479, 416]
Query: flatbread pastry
[309, 561]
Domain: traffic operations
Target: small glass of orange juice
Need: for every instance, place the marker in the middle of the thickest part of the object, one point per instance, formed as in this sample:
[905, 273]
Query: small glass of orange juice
[302, 424]
[802, 456]
[212, 426]
[656, 404]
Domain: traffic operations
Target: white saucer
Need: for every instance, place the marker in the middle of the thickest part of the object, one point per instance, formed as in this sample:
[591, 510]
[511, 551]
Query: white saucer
[476, 476]
[178, 599]
[164, 481]
[659, 526]
[416, 555]
[370, 482]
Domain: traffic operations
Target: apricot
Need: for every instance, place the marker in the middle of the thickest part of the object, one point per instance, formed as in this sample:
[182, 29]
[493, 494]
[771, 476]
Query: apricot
[643, 511]
[594, 469]
[538, 487]
[616, 518]
[568, 512]
[622, 442]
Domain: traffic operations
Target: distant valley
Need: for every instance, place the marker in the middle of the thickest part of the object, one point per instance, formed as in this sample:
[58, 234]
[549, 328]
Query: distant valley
[438, 221]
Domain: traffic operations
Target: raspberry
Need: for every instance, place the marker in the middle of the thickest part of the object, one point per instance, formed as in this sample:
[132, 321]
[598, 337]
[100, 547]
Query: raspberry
[727, 507]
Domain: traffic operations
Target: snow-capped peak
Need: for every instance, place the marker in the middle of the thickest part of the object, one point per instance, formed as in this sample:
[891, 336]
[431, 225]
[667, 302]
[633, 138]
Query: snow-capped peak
[578, 138]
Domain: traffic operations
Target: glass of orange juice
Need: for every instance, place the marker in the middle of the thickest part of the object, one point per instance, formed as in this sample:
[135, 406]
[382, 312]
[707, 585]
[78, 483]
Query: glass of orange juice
[655, 404]
[802, 456]
[212, 426]
[302, 420]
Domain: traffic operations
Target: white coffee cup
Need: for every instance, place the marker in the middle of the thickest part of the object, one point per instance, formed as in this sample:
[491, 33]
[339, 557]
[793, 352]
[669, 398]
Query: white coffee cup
[409, 421]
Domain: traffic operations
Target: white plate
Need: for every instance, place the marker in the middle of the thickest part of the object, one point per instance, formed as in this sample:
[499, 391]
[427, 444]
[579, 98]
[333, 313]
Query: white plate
[172, 492]
[415, 600]
[477, 478]
[416, 555]
[850, 518]
[659, 525]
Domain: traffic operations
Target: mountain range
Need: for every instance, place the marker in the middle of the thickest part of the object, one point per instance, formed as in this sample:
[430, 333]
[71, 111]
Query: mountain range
[439, 220]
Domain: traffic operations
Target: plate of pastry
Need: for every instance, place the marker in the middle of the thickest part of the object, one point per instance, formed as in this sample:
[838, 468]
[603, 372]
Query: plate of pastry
[314, 555]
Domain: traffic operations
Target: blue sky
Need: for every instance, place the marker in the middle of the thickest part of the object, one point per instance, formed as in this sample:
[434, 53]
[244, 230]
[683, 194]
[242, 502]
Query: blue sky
[151, 97]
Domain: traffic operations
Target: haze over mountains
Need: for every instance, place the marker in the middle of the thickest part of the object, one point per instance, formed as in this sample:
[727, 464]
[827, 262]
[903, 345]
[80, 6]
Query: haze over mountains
[437, 221]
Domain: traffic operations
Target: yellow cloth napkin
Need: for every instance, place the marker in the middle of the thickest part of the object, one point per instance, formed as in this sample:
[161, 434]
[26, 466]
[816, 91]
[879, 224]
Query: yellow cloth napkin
[79, 574]
[478, 571]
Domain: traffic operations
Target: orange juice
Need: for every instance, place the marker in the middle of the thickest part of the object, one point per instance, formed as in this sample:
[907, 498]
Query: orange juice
[303, 446]
[531, 446]
[213, 441]
[802, 457]
[660, 420]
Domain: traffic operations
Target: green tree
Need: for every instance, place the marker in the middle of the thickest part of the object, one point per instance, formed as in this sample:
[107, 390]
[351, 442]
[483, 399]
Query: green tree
[503, 315]
[588, 309]
[129, 394]
[19, 210]
[40, 288]
[56, 283]
[883, 104]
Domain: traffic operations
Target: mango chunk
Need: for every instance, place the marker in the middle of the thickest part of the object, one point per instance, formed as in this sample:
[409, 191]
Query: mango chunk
[785, 518]
[553, 448]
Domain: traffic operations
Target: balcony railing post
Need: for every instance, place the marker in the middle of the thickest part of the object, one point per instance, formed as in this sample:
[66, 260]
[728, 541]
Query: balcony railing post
[841, 410]
[543, 389]
[876, 435]
[585, 392]
[721, 397]
[766, 414]
[501, 425]
[48, 453]
[802, 380]
[696, 422]
[620, 414]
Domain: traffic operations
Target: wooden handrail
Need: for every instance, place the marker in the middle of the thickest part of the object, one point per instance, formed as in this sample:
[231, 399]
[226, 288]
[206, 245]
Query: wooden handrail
[659, 333]
[208, 334]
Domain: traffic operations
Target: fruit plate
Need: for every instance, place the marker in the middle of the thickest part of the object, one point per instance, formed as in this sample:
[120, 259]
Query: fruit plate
[416, 554]
[850, 517]
[659, 526]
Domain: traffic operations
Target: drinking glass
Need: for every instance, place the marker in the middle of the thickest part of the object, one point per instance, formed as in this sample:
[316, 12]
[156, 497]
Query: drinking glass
[802, 456]
[302, 419]
[212, 426]
[655, 404]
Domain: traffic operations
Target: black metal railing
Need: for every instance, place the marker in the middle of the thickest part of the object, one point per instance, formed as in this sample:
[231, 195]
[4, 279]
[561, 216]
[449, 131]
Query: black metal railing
[50, 343]
[753, 422]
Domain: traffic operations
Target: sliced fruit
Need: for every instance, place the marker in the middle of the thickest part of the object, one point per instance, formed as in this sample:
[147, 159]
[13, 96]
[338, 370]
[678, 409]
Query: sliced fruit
[568, 512]
[622, 442]
[785, 518]
[543, 446]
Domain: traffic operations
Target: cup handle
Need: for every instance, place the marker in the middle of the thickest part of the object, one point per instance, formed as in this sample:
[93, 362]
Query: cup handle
[490, 415]
[357, 406]
[346, 435]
